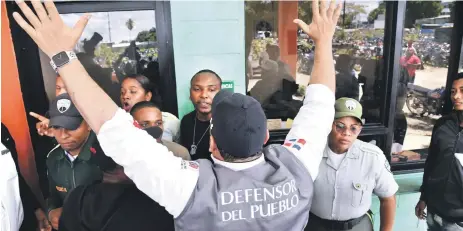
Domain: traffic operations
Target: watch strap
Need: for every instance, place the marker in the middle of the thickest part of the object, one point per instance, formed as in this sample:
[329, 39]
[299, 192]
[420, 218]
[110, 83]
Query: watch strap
[71, 55]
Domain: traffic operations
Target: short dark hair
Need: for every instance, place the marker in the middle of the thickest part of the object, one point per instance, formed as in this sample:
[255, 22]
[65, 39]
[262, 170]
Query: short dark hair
[233, 159]
[143, 104]
[208, 72]
[459, 76]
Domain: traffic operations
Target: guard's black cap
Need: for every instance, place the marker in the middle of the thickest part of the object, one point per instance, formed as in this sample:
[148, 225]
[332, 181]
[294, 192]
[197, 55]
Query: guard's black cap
[64, 114]
[239, 125]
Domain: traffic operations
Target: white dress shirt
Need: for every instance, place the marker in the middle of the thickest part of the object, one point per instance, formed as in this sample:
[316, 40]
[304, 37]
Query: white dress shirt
[11, 209]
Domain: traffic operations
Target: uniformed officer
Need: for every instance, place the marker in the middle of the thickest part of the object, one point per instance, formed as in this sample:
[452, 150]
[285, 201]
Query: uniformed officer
[247, 187]
[349, 172]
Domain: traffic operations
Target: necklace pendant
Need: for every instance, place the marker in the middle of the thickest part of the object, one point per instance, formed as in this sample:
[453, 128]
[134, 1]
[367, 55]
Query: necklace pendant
[193, 149]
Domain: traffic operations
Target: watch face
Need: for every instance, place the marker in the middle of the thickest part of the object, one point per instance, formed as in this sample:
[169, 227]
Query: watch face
[60, 59]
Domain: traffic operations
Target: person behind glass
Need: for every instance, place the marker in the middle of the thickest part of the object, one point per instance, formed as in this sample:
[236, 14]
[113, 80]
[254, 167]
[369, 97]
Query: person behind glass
[195, 126]
[443, 170]
[410, 62]
[115, 203]
[346, 83]
[198, 194]
[350, 171]
[68, 163]
[139, 88]
[148, 114]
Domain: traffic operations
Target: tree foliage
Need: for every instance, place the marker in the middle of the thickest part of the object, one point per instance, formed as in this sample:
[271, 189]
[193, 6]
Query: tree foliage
[373, 15]
[147, 35]
[106, 52]
[421, 9]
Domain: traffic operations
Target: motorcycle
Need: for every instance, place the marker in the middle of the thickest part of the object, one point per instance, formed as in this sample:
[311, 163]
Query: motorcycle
[421, 100]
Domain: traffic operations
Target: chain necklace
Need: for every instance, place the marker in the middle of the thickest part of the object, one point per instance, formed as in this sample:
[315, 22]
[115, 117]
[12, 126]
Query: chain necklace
[193, 145]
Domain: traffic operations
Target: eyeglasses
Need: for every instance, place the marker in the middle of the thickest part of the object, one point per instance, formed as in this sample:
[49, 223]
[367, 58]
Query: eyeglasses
[341, 128]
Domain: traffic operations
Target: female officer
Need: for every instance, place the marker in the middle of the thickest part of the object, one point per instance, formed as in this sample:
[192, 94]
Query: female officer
[349, 172]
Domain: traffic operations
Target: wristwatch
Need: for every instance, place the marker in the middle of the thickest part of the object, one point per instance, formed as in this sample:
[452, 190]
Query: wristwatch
[62, 59]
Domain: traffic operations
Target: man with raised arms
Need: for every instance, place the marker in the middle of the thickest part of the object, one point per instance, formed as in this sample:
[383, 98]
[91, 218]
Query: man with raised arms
[247, 187]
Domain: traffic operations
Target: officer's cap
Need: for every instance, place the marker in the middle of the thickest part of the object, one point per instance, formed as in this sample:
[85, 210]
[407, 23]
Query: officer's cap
[348, 107]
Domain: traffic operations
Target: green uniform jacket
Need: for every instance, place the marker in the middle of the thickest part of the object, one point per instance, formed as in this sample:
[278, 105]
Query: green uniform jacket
[64, 175]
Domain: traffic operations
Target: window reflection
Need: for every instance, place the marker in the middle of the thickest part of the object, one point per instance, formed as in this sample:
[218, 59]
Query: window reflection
[113, 45]
[423, 75]
[279, 65]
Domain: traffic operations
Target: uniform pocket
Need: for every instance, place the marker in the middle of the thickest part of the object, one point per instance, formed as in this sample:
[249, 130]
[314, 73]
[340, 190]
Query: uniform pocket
[358, 193]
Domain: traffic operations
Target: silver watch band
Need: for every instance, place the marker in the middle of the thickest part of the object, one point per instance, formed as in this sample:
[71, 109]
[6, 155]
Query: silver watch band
[71, 55]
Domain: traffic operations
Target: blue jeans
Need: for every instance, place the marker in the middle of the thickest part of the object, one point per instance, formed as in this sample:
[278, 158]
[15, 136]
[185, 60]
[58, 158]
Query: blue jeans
[436, 223]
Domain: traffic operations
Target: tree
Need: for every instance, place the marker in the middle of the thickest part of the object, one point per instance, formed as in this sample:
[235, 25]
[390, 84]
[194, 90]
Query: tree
[147, 35]
[106, 52]
[350, 12]
[373, 15]
[421, 9]
[129, 24]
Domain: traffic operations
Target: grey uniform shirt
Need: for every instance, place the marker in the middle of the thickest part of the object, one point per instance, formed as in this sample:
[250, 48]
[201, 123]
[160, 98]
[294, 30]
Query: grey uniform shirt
[346, 192]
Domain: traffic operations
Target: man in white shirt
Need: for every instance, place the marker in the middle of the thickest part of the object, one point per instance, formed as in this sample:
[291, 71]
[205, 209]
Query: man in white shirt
[11, 208]
[177, 184]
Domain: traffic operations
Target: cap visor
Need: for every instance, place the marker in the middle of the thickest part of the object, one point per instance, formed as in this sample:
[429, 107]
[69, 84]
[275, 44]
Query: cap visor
[338, 115]
[67, 122]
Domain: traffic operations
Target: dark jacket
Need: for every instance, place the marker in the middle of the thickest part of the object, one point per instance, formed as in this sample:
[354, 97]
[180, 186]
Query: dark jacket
[64, 175]
[442, 187]
[28, 199]
[113, 207]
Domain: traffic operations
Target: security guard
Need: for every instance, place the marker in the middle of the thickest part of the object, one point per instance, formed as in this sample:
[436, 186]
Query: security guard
[349, 172]
[247, 187]
[68, 164]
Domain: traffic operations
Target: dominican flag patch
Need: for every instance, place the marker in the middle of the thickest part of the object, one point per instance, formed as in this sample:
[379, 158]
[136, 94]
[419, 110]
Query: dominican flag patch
[295, 143]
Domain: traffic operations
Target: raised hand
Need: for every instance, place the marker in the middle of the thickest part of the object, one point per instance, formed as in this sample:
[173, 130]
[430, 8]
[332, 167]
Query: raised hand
[323, 21]
[47, 29]
[42, 125]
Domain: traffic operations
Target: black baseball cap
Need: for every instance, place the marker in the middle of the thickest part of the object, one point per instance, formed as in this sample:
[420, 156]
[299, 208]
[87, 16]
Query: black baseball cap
[239, 125]
[64, 114]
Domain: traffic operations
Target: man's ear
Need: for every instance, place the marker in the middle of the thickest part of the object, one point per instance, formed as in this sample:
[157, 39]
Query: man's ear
[148, 96]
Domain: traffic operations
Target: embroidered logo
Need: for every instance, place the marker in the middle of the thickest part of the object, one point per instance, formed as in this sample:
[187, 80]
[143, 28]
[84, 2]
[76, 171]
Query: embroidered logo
[93, 150]
[189, 164]
[295, 143]
[63, 105]
[351, 105]
[61, 189]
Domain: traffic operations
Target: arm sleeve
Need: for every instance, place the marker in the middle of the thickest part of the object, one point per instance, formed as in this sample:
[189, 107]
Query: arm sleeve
[167, 179]
[385, 186]
[308, 135]
[54, 200]
[429, 164]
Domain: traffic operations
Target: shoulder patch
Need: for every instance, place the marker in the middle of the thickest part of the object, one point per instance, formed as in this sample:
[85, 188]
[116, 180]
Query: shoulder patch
[295, 144]
[185, 164]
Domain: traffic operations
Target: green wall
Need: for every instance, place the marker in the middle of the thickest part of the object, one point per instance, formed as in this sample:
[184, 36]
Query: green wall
[207, 35]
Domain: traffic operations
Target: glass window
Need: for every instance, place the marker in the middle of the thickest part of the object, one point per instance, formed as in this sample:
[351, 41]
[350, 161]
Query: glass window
[113, 44]
[280, 57]
[423, 76]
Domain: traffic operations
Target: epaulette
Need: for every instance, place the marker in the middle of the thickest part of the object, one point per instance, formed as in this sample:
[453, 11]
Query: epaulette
[370, 148]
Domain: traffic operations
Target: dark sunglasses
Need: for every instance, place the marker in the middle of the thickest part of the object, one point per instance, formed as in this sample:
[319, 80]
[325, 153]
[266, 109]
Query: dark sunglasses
[341, 128]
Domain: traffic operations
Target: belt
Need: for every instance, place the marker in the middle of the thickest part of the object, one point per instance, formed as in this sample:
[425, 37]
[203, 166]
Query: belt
[337, 225]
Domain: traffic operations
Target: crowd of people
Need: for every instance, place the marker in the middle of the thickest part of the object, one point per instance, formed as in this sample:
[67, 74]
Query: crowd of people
[122, 167]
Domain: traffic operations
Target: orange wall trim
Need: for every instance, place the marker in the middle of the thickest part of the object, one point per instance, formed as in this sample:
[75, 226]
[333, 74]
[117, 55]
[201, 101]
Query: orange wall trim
[287, 33]
[13, 113]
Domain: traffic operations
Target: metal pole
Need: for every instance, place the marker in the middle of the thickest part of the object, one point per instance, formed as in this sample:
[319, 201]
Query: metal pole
[109, 28]
[344, 14]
